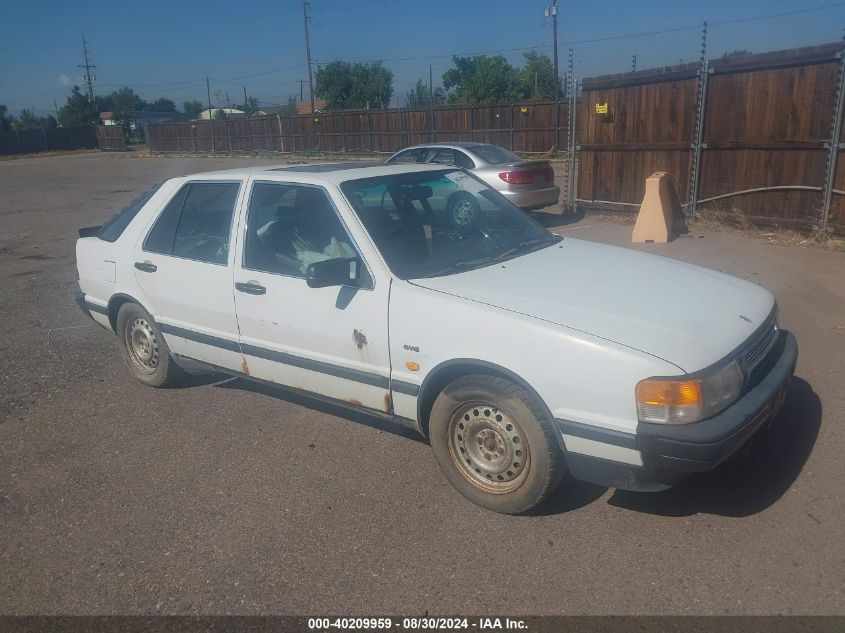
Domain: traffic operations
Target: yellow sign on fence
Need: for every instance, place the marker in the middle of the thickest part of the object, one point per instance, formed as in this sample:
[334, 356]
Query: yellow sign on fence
[601, 108]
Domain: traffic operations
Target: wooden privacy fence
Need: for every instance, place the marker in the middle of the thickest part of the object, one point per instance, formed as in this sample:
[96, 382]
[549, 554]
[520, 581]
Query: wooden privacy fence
[529, 127]
[111, 138]
[47, 139]
[756, 135]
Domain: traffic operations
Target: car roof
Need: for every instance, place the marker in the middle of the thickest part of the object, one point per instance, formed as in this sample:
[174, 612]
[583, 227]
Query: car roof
[460, 144]
[316, 173]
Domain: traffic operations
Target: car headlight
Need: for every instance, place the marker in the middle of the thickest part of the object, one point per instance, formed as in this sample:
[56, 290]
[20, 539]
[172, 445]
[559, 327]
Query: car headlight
[686, 400]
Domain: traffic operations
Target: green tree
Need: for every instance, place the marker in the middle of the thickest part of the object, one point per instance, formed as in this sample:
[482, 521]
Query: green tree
[537, 77]
[78, 110]
[250, 108]
[481, 79]
[289, 108]
[6, 119]
[346, 86]
[219, 115]
[160, 105]
[28, 121]
[124, 102]
[193, 108]
[420, 96]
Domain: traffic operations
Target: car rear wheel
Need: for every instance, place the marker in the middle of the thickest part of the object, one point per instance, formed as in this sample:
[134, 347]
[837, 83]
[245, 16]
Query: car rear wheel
[495, 444]
[463, 210]
[143, 348]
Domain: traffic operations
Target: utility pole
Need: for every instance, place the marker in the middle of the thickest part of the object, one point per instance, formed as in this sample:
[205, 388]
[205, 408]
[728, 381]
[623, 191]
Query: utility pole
[56, 108]
[634, 64]
[88, 75]
[552, 12]
[308, 53]
[301, 81]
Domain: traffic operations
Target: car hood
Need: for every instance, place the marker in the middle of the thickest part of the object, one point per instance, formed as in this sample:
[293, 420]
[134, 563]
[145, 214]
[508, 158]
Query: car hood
[684, 314]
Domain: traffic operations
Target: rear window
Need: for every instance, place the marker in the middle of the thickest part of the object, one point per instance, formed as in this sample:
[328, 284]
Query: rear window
[114, 228]
[495, 154]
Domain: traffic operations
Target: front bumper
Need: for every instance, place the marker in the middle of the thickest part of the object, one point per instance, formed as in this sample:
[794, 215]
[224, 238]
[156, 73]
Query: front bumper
[671, 452]
[530, 199]
[706, 444]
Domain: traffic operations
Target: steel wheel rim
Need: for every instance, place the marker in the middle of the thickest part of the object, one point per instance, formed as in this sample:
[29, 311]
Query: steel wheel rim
[142, 345]
[462, 212]
[489, 447]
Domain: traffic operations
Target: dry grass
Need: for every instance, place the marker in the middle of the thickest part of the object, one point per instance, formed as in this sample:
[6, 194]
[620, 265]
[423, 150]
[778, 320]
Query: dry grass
[733, 219]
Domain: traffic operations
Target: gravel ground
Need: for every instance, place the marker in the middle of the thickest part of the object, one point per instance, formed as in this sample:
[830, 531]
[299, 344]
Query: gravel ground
[224, 497]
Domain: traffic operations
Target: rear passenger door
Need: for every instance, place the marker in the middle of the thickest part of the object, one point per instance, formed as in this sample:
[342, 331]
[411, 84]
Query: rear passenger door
[184, 265]
[330, 341]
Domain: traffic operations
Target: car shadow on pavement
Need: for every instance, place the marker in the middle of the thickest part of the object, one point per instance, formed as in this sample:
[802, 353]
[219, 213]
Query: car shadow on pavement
[551, 220]
[347, 412]
[742, 487]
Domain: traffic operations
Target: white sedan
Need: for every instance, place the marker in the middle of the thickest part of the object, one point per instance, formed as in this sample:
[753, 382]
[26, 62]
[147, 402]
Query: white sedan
[519, 354]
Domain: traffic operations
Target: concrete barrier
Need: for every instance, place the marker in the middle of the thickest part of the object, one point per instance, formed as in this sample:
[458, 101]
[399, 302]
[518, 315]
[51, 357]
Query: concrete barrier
[660, 218]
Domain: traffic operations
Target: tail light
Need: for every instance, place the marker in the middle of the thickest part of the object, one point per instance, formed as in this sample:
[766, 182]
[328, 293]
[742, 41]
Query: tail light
[528, 176]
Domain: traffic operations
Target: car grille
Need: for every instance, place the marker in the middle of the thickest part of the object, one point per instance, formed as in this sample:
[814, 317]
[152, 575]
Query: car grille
[760, 345]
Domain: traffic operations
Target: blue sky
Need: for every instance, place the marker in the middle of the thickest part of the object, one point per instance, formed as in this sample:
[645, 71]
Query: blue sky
[166, 49]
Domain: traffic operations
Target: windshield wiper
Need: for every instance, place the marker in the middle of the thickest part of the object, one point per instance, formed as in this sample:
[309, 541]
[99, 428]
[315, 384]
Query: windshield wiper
[529, 245]
[468, 264]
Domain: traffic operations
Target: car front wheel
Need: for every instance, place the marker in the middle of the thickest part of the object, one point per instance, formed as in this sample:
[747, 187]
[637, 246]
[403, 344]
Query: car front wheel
[143, 348]
[495, 444]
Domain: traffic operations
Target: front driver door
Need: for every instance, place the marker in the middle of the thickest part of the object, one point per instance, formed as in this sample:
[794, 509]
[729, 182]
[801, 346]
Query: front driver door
[330, 341]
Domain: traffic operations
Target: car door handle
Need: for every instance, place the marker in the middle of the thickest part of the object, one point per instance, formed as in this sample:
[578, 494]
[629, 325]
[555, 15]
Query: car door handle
[147, 267]
[251, 288]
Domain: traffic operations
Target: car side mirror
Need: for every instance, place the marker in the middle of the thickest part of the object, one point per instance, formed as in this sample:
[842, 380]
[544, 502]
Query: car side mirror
[341, 271]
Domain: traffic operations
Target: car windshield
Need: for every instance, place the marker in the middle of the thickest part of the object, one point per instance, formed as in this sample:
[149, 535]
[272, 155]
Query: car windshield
[494, 154]
[435, 223]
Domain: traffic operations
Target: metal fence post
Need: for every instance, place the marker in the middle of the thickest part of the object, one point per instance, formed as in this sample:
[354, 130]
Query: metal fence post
[573, 147]
[402, 142]
[471, 124]
[510, 119]
[698, 144]
[701, 107]
[228, 134]
[370, 129]
[833, 146]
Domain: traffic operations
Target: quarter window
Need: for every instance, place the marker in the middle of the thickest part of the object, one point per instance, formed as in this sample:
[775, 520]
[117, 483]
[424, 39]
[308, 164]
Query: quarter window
[197, 222]
[290, 227]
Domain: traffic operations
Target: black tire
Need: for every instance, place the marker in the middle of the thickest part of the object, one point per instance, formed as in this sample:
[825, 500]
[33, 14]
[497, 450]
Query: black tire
[463, 210]
[135, 324]
[480, 425]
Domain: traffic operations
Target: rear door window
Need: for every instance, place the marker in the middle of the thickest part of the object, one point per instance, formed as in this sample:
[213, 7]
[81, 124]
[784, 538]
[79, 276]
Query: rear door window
[197, 223]
[462, 160]
[416, 155]
[443, 157]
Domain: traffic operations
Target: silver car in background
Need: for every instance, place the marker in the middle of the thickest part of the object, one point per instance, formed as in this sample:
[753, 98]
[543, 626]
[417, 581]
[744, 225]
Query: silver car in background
[529, 184]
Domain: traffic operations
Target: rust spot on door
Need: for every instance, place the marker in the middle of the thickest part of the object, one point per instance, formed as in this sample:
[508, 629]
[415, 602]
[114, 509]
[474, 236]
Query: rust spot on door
[357, 403]
[388, 402]
[245, 365]
[359, 338]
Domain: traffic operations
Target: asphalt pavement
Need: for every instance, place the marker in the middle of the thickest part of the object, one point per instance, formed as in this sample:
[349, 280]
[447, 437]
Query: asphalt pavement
[224, 497]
